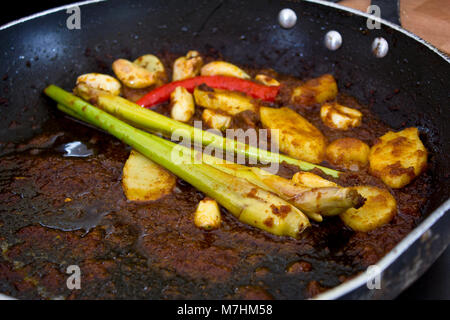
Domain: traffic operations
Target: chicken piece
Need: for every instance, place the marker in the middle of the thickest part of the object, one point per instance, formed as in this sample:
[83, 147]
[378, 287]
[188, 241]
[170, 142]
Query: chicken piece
[398, 157]
[380, 207]
[311, 180]
[216, 120]
[183, 107]
[348, 153]
[144, 180]
[187, 67]
[315, 91]
[230, 102]
[296, 136]
[340, 117]
[207, 216]
[222, 68]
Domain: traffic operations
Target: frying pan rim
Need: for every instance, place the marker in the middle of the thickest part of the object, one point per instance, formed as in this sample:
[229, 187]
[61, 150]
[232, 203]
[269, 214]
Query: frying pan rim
[46, 12]
[385, 22]
[406, 242]
[321, 2]
[389, 258]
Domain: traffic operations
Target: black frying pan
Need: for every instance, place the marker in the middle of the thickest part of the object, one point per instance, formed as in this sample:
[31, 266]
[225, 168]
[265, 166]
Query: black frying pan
[408, 87]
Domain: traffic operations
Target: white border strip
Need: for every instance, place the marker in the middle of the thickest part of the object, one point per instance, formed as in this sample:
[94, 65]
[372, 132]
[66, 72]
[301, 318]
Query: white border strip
[46, 12]
[408, 240]
[4, 297]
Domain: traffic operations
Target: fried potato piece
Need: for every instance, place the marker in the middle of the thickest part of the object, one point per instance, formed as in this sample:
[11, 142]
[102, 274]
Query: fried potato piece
[207, 216]
[144, 180]
[154, 65]
[100, 81]
[222, 68]
[183, 106]
[398, 157]
[340, 117]
[187, 67]
[216, 120]
[348, 153]
[315, 91]
[379, 209]
[296, 136]
[150, 62]
[230, 102]
[132, 75]
[311, 180]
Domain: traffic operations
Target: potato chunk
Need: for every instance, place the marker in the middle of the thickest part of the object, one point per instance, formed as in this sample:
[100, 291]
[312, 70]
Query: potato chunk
[154, 65]
[100, 81]
[207, 216]
[144, 180]
[311, 180]
[315, 91]
[340, 117]
[150, 62]
[132, 75]
[230, 102]
[348, 153]
[222, 68]
[398, 157]
[187, 67]
[183, 107]
[216, 120]
[380, 207]
[296, 136]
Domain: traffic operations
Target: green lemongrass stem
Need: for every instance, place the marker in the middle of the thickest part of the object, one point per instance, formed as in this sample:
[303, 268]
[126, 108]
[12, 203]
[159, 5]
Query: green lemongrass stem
[261, 209]
[72, 113]
[252, 175]
[248, 173]
[153, 121]
[314, 202]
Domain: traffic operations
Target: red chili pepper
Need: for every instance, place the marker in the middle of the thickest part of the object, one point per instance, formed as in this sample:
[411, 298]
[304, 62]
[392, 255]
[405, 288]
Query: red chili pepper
[255, 90]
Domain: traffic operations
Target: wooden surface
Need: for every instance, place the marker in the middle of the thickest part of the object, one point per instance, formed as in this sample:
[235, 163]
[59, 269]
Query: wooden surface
[429, 19]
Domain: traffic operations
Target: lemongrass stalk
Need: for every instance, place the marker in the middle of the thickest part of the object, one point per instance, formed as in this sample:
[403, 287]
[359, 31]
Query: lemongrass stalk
[250, 204]
[314, 203]
[153, 121]
[248, 173]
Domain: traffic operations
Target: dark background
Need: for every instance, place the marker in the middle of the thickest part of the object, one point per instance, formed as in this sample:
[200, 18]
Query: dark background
[434, 284]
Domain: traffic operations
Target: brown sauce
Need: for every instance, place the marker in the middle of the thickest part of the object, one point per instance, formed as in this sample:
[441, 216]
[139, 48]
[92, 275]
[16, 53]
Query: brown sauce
[57, 211]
